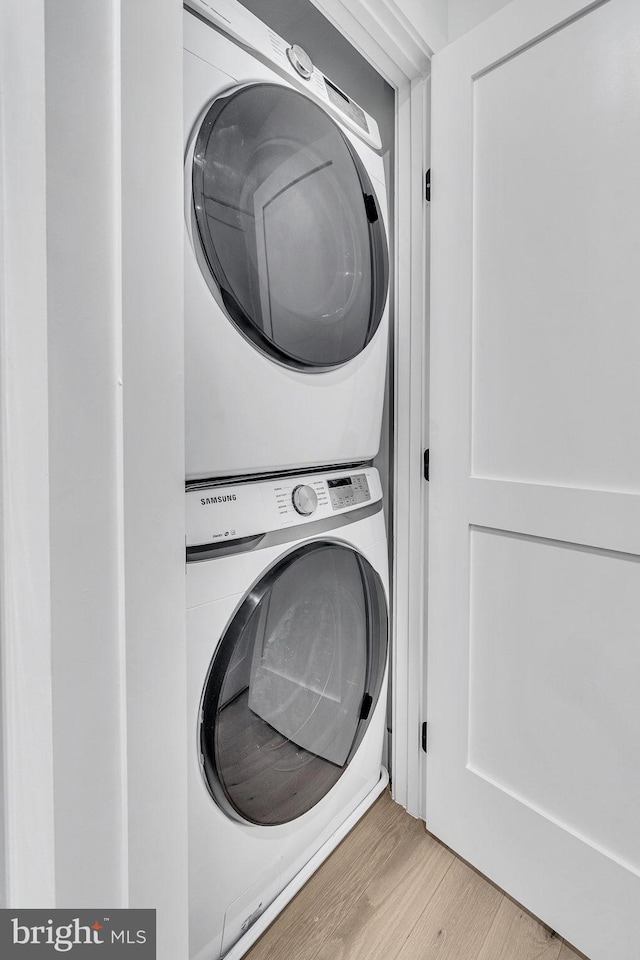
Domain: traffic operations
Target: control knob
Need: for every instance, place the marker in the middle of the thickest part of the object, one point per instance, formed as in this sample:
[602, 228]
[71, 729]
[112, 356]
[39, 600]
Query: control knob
[300, 61]
[304, 499]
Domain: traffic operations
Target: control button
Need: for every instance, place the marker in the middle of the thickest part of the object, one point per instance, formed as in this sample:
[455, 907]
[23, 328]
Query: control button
[304, 499]
[300, 61]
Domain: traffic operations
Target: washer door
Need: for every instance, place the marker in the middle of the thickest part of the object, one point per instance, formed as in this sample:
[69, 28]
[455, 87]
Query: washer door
[293, 684]
[289, 227]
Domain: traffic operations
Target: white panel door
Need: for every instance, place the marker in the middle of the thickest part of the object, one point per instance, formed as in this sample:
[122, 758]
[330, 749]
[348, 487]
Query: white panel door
[533, 770]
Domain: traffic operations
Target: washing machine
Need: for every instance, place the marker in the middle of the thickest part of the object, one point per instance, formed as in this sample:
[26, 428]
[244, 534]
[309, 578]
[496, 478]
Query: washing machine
[286, 261]
[287, 626]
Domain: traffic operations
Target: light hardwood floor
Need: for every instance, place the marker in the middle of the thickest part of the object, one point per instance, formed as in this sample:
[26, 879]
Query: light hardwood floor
[390, 891]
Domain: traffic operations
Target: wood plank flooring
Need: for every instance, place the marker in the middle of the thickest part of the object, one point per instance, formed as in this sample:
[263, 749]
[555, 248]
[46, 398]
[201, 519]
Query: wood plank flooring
[390, 891]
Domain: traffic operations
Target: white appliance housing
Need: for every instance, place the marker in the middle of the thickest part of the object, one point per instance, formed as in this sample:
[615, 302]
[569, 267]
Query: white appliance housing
[286, 263]
[287, 584]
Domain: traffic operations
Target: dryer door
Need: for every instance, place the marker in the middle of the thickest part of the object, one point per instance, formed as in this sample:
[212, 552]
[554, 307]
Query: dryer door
[293, 684]
[290, 232]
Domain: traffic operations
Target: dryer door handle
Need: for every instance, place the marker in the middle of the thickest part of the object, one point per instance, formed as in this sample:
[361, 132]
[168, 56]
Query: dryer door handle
[371, 207]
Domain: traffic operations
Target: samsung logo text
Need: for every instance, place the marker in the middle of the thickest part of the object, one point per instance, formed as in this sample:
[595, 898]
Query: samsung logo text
[226, 498]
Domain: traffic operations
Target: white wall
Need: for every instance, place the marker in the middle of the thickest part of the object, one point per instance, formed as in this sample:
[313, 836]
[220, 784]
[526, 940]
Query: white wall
[91, 400]
[465, 14]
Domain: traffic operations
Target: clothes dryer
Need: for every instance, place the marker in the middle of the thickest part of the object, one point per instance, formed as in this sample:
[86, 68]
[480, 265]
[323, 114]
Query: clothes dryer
[286, 263]
[287, 623]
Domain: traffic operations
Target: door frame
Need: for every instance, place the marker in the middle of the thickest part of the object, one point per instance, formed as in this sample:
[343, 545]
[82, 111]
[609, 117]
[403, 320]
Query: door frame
[148, 412]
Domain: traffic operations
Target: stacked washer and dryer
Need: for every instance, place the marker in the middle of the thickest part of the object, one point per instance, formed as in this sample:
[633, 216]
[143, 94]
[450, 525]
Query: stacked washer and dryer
[286, 276]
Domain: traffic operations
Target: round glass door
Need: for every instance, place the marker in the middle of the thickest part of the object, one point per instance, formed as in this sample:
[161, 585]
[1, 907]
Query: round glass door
[289, 227]
[293, 684]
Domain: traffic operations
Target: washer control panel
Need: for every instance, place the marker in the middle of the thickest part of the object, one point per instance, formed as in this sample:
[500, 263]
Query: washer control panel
[230, 511]
[348, 491]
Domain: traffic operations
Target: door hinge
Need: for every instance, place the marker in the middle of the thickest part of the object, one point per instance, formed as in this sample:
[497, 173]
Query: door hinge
[423, 736]
[425, 464]
[427, 185]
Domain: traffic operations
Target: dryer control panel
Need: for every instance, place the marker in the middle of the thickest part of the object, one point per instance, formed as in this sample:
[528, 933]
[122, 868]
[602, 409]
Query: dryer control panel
[290, 61]
[232, 511]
